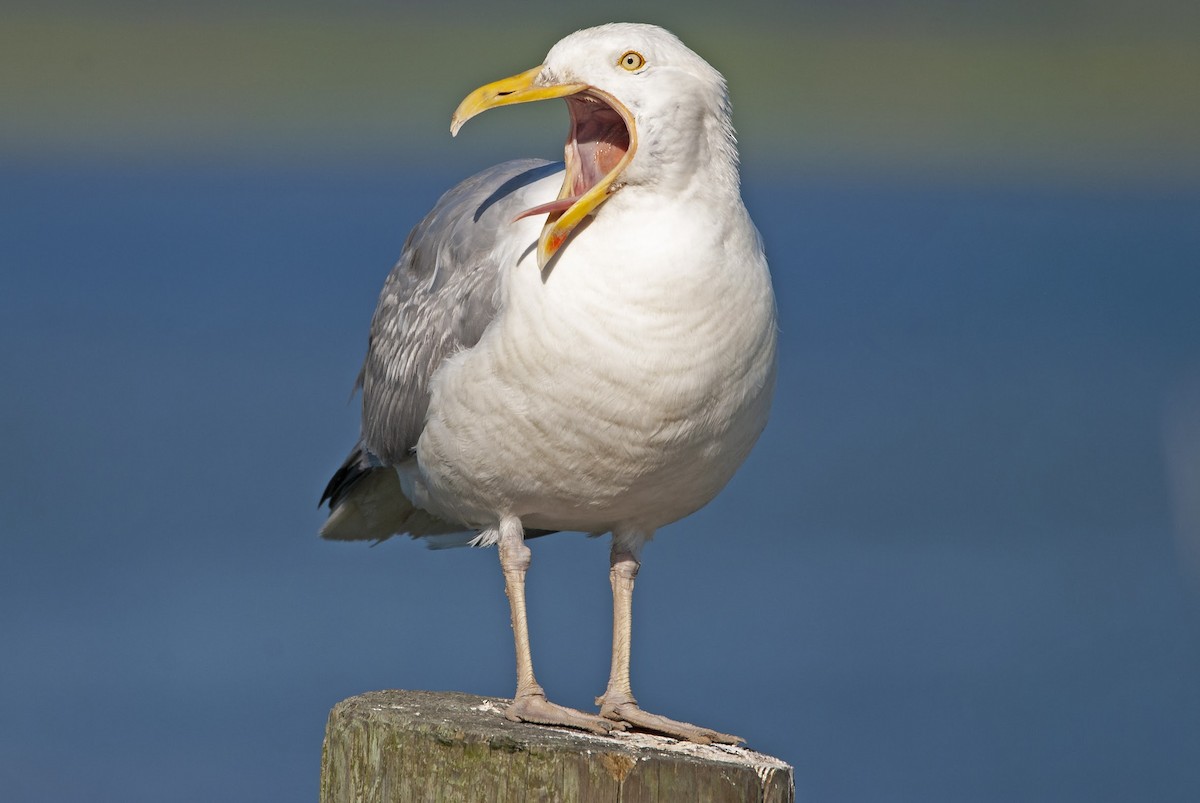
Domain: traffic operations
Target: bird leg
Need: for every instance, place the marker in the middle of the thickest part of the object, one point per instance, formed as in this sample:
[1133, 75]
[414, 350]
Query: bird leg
[529, 703]
[617, 703]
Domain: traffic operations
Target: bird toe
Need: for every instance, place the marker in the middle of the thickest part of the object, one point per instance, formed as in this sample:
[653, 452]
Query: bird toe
[633, 716]
[538, 710]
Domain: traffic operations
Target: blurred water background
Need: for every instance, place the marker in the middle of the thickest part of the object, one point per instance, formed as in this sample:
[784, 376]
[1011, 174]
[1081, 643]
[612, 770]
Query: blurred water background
[962, 564]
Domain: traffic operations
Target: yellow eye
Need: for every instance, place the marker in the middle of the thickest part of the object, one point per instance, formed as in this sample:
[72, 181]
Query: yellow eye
[632, 60]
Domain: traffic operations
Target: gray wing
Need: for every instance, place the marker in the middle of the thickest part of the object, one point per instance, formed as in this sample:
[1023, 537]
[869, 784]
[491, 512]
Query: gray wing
[438, 300]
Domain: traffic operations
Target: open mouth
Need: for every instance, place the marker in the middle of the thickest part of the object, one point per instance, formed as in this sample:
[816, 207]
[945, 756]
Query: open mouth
[600, 144]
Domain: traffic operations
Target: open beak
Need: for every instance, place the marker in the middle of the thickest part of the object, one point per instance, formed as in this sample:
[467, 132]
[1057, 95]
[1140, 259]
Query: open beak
[600, 145]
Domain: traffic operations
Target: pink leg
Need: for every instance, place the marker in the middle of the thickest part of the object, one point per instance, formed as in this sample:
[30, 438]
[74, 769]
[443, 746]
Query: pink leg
[617, 703]
[530, 703]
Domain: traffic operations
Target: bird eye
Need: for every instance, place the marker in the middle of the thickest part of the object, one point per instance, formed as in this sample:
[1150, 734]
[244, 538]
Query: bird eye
[632, 60]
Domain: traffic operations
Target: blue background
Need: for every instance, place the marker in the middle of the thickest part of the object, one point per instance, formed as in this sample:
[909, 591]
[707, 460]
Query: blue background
[962, 564]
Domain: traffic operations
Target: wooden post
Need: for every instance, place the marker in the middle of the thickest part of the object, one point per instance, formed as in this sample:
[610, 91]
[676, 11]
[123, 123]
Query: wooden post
[399, 746]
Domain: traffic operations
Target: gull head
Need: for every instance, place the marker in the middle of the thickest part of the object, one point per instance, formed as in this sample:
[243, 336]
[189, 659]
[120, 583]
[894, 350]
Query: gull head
[644, 110]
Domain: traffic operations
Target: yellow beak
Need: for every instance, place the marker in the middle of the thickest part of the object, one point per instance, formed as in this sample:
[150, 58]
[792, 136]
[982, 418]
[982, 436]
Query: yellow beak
[514, 89]
[520, 88]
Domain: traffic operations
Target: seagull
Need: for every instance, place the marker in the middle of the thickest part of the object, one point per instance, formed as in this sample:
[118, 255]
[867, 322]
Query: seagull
[579, 346]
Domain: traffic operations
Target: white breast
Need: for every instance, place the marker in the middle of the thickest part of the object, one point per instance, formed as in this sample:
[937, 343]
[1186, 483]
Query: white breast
[623, 387]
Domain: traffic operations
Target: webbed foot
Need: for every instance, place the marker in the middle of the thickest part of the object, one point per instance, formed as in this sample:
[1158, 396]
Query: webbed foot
[626, 711]
[535, 708]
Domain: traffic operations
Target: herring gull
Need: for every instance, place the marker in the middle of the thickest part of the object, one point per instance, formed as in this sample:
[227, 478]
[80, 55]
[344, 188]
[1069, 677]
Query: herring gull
[584, 346]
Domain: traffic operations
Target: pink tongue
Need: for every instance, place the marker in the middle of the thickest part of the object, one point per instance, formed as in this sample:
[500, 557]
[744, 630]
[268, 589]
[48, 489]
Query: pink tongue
[561, 205]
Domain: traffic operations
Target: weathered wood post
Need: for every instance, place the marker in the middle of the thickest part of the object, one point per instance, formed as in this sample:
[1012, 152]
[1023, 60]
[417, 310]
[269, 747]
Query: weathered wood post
[399, 746]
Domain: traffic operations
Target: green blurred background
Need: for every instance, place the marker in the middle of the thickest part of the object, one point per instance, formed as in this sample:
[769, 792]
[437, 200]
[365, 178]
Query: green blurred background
[1065, 91]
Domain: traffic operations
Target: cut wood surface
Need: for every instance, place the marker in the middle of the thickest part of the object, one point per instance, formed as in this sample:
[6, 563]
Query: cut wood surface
[391, 746]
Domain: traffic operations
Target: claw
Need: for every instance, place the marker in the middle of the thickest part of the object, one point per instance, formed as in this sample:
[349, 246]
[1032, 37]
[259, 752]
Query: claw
[630, 714]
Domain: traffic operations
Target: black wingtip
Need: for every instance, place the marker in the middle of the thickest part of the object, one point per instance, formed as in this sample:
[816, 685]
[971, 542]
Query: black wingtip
[355, 467]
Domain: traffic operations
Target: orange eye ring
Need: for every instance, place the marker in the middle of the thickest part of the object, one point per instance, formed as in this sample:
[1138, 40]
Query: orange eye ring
[632, 60]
